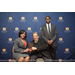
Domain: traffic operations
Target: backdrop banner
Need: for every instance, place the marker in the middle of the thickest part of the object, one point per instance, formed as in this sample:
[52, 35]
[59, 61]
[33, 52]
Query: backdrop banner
[12, 22]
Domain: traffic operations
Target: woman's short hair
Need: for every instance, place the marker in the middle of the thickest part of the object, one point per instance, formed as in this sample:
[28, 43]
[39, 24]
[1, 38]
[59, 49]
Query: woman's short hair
[21, 32]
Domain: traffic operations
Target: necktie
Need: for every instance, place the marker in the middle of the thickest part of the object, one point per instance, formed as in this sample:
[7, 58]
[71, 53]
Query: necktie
[49, 30]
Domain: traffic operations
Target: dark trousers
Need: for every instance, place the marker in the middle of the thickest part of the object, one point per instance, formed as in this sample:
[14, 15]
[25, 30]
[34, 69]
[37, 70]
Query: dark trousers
[52, 51]
[33, 58]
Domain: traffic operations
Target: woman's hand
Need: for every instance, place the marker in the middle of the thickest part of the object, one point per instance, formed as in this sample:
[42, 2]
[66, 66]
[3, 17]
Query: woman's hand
[26, 50]
[30, 50]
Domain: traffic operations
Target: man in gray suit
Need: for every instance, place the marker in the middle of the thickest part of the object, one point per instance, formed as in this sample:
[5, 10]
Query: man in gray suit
[49, 34]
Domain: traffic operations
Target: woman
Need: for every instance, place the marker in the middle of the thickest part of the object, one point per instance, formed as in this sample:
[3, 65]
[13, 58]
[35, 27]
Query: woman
[20, 48]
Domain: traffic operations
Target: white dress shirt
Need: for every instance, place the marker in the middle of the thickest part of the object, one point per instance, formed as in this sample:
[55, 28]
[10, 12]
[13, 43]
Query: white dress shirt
[36, 41]
[49, 26]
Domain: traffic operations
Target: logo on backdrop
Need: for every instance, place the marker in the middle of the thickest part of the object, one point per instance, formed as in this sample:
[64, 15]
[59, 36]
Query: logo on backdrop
[16, 30]
[35, 19]
[3, 51]
[29, 30]
[10, 40]
[60, 40]
[60, 19]
[22, 19]
[4, 30]
[66, 51]
[66, 30]
[10, 19]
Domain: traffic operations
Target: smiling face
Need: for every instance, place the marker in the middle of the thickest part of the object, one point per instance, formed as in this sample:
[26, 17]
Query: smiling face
[23, 35]
[35, 36]
[48, 20]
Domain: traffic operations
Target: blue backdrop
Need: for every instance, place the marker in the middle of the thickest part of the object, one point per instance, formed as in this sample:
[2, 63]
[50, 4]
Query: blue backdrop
[12, 22]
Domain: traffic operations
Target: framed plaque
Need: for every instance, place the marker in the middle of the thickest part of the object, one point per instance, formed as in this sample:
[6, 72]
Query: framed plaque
[30, 45]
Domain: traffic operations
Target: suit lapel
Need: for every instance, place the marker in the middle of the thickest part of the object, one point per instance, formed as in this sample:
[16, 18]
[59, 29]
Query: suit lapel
[22, 43]
[46, 29]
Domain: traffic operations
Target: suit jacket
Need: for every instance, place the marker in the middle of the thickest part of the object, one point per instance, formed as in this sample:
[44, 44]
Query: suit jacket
[41, 48]
[53, 34]
[19, 46]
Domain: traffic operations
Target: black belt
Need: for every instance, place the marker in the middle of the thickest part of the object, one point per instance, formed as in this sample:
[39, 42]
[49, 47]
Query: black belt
[49, 39]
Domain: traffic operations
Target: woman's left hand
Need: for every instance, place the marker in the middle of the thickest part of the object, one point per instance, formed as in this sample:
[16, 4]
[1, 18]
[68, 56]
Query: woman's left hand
[26, 50]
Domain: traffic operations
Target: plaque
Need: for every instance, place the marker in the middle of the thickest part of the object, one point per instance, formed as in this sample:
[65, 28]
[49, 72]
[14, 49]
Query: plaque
[30, 45]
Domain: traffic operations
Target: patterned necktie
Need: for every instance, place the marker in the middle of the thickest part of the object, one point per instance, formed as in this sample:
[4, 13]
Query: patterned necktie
[48, 30]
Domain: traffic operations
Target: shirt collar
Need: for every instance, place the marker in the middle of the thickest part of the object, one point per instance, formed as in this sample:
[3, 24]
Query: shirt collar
[49, 24]
[37, 41]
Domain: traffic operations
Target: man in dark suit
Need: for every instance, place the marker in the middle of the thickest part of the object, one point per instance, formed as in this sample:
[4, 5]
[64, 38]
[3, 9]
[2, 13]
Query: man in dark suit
[39, 49]
[49, 34]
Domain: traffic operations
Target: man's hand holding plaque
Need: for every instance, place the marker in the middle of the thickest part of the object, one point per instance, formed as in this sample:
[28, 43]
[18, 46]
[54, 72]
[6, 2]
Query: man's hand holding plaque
[34, 48]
